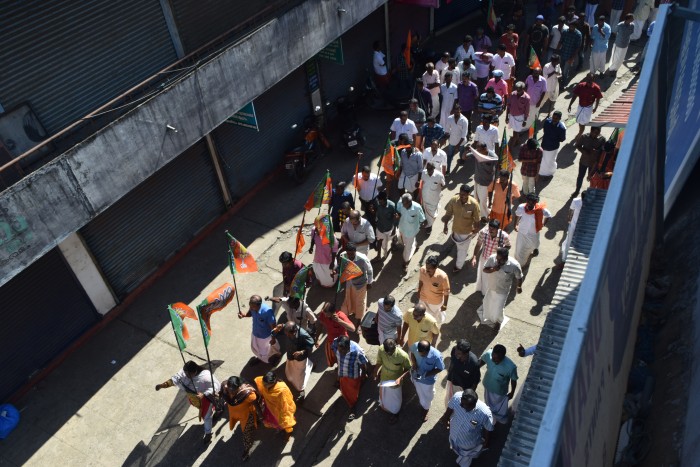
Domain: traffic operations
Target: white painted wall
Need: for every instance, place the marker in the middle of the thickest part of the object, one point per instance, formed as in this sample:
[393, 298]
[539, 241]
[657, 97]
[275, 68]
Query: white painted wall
[76, 254]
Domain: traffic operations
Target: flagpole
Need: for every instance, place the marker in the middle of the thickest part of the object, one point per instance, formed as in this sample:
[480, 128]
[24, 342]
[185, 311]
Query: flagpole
[206, 348]
[296, 238]
[356, 182]
[194, 388]
[232, 267]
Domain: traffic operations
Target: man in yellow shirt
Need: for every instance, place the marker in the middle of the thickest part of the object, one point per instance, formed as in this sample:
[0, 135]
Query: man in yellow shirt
[434, 289]
[420, 326]
[466, 215]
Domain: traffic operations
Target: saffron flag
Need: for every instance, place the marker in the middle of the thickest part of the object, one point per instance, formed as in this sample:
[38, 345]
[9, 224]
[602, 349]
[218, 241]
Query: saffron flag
[184, 311]
[532, 132]
[299, 282]
[356, 180]
[300, 242]
[532, 61]
[239, 259]
[348, 270]
[181, 332]
[407, 51]
[205, 330]
[321, 194]
[491, 17]
[506, 160]
[216, 301]
[324, 229]
[389, 159]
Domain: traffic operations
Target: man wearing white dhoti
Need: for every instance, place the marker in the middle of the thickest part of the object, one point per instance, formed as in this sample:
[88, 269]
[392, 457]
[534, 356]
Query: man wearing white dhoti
[262, 342]
[531, 217]
[501, 271]
[432, 183]
[488, 239]
[574, 211]
[500, 370]
[392, 364]
[467, 221]
[426, 363]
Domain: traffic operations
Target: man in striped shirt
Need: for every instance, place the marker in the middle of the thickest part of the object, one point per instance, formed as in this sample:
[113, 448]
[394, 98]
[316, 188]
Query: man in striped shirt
[488, 239]
[352, 370]
[470, 423]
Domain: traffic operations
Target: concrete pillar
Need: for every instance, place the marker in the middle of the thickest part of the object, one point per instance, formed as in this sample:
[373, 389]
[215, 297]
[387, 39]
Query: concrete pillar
[88, 274]
[223, 184]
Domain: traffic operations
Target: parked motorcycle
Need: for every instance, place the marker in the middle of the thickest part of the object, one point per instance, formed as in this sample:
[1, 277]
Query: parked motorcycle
[299, 160]
[353, 137]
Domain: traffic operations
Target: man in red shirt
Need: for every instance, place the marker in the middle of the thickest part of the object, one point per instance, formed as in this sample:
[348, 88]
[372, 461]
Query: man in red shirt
[510, 40]
[337, 324]
[517, 111]
[588, 93]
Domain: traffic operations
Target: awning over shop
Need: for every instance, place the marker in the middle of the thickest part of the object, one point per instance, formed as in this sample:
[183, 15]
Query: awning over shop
[616, 114]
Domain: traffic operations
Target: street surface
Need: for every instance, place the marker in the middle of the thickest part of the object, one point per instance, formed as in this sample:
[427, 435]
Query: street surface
[100, 408]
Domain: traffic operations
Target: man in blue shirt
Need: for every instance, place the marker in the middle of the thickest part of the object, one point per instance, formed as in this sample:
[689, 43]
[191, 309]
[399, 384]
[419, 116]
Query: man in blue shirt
[411, 167]
[262, 342]
[426, 363]
[600, 35]
[430, 132]
[411, 216]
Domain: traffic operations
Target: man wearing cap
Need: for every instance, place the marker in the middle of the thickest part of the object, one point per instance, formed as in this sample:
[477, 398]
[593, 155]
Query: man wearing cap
[600, 35]
[531, 217]
[537, 37]
[431, 82]
[589, 95]
[467, 222]
[448, 96]
[553, 134]
[555, 37]
[517, 112]
[511, 40]
[536, 88]
[505, 62]
[499, 85]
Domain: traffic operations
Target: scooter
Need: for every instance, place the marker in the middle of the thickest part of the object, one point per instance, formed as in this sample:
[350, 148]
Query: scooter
[353, 137]
[299, 160]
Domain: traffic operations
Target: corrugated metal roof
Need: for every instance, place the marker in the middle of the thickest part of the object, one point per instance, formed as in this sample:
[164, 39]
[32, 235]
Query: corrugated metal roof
[616, 114]
[533, 399]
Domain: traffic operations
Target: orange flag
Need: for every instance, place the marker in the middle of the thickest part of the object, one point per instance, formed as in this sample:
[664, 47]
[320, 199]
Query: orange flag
[356, 181]
[216, 301]
[239, 259]
[184, 311]
[300, 242]
[407, 50]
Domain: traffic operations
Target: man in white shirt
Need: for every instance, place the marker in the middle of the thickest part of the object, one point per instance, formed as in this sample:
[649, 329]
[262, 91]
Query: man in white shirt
[436, 156]
[433, 181]
[368, 186]
[448, 93]
[381, 71]
[456, 130]
[403, 125]
[506, 63]
[555, 37]
[431, 81]
[358, 230]
[442, 64]
[552, 72]
[465, 50]
[488, 135]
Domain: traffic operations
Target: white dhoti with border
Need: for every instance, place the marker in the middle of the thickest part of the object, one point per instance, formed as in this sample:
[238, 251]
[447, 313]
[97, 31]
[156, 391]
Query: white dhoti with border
[391, 398]
[482, 196]
[466, 456]
[262, 348]
[408, 183]
[322, 272]
[549, 163]
[567, 240]
[435, 310]
[481, 284]
[298, 372]
[515, 123]
[462, 241]
[498, 405]
[525, 245]
[425, 392]
[584, 114]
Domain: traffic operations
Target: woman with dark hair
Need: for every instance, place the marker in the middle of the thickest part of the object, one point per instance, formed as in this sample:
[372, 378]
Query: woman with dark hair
[277, 403]
[201, 388]
[240, 397]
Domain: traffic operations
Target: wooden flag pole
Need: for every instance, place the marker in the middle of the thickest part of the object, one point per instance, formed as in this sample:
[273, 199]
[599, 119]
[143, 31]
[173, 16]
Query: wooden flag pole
[194, 388]
[206, 348]
[232, 267]
[506, 208]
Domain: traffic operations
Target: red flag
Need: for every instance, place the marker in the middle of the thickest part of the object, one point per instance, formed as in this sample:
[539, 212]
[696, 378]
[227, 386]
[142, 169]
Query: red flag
[407, 50]
[240, 260]
[216, 301]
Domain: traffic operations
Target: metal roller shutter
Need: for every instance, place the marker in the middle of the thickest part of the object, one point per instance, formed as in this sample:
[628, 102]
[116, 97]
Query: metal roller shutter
[248, 155]
[137, 234]
[449, 13]
[201, 21]
[357, 53]
[67, 57]
[46, 309]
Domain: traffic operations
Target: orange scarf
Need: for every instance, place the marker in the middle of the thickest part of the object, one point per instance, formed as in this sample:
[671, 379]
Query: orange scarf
[538, 211]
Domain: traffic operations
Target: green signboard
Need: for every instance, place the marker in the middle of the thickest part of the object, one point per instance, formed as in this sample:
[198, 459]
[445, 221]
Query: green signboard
[333, 52]
[245, 117]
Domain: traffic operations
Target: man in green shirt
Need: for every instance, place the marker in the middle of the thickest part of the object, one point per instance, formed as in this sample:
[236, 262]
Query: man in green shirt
[500, 370]
[392, 365]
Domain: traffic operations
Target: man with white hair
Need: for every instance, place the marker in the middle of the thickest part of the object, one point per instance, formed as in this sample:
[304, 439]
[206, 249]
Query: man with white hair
[411, 216]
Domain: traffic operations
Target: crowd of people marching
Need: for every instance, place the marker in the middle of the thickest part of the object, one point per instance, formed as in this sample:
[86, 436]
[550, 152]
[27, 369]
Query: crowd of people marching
[461, 103]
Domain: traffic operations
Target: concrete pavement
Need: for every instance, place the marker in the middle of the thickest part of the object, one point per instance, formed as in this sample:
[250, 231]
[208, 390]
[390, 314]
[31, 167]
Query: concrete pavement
[100, 408]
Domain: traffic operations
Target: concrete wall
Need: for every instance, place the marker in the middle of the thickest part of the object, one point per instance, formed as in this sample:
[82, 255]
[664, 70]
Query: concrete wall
[88, 274]
[46, 207]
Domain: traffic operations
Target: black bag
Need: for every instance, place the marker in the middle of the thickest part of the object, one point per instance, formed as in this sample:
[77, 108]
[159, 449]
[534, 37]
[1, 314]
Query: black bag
[369, 328]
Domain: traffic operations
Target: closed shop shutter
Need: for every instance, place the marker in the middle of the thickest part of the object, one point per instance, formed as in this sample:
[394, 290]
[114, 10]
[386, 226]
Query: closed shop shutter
[201, 21]
[248, 155]
[357, 43]
[68, 57]
[449, 13]
[137, 234]
[45, 310]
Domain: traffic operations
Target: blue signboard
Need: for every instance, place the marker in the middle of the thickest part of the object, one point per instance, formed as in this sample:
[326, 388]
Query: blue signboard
[245, 117]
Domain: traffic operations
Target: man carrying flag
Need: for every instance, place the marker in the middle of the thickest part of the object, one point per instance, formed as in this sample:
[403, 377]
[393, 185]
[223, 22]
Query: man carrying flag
[351, 263]
[324, 242]
[290, 268]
